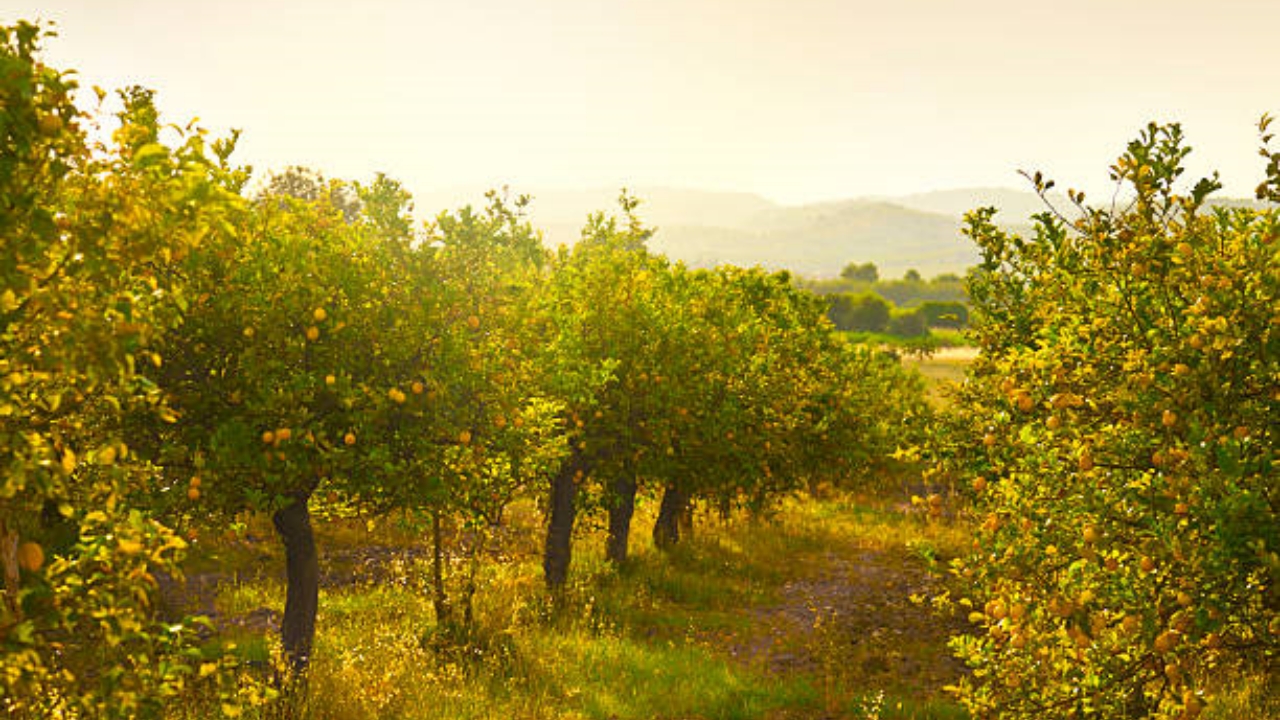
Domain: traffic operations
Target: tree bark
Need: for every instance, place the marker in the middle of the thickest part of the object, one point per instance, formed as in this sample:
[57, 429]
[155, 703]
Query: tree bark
[302, 569]
[439, 595]
[686, 519]
[620, 514]
[475, 552]
[558, 549]
[9, 559]
[666, 529]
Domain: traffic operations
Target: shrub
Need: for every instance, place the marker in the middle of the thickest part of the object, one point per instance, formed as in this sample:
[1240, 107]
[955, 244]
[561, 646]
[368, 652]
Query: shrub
[862, 312]
[908, 323]
[1119, 435]
[953, 315]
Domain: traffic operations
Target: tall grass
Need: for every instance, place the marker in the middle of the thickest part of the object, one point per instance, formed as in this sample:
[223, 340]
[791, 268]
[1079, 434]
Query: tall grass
[652, 639]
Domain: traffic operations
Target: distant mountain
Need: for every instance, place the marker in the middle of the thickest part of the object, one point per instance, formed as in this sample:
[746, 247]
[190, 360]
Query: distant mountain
[818, 240]
[706, 228]
[1014, 205]
[659, 205]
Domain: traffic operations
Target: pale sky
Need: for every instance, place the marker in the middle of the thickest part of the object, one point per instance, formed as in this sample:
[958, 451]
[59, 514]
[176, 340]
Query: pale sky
[796, 100]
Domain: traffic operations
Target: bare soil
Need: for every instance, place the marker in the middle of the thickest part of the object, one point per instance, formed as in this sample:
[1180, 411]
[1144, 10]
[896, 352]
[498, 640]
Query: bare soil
[851, 622]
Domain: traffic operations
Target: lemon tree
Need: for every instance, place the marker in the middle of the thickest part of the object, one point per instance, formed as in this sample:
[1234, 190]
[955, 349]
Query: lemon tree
[1119, 439]
[727, 386]
[587, 316]
[96, 233]
[769, 399]
[469, 432]
[740, 393]
[280, 377]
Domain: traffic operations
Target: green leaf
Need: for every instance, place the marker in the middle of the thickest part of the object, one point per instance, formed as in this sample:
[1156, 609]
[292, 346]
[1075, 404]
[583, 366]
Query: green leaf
[25, 632]
[148, 154]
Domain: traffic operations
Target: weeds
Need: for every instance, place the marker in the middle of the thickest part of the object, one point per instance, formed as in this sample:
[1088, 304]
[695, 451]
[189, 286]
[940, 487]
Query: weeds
[671, 634]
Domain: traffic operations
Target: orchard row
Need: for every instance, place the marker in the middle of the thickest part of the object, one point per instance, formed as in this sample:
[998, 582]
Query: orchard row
[1118, 432]
[178, 351]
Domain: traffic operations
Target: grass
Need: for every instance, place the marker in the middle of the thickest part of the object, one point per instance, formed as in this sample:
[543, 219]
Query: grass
[1243, 693]
[950, 337]
[662, 637]
[937, 338]
[942, 370]
[700, 632]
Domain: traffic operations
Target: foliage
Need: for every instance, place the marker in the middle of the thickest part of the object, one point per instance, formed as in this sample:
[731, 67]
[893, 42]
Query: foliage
[867, 312]
[866, 272]
[1269, 188]
[301, 183]
[937, 314]
[179, 353]
[910, 292]
[908, 323]
[656, 637]
[859, 302]
[1118, 432]
[96, 233]
[725, 385]
[864, 312]
[486, 436]
[273, 358]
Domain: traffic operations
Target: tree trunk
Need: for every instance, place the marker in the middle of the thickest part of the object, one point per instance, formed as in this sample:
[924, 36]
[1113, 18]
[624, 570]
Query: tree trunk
[558, 550]
[9, 559]
[474, 555]
[439, 596]
[620, 513]
[302, 567]
[686, 519]
[666, 529]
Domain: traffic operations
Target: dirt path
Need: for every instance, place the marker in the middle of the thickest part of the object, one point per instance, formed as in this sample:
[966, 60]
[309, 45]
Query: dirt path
[852, 626]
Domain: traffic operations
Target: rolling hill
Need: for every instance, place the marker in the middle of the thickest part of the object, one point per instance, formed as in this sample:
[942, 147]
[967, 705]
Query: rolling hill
[705, 228]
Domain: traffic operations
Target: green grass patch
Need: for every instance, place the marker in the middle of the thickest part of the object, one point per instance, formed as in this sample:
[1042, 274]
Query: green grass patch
[936, 339]
[1244, 694]
[661, 637]
[883, 706]
[942, 370]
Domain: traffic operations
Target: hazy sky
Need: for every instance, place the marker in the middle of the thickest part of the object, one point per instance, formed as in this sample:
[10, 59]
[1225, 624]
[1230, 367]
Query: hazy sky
[797, 100]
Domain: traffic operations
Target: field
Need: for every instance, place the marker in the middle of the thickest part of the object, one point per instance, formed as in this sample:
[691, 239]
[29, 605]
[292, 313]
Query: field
[820, 610]
[831, 606]
[942, 369]
[437, 470]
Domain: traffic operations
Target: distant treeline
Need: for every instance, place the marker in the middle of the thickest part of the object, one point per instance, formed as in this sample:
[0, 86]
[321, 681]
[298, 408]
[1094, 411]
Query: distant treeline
[860, 301]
